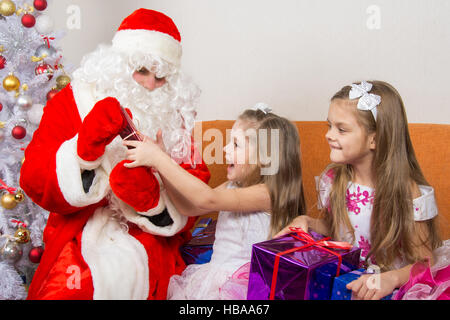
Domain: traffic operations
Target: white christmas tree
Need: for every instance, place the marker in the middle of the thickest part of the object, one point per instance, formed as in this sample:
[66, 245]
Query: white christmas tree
[31, 72]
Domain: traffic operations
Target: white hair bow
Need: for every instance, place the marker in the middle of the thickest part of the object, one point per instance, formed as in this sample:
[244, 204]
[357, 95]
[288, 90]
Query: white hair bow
[263, 107]
[367, 101]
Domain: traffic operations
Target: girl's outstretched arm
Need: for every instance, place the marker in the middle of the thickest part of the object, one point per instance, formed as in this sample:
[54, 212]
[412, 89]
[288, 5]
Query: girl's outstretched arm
[202, 196]
[183, 204]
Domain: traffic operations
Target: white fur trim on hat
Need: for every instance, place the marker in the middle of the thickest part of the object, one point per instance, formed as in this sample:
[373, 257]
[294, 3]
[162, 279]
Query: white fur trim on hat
[147, 41]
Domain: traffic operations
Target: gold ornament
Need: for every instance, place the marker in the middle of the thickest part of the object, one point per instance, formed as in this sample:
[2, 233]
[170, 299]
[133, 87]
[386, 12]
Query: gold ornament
[11, 83]
[22, 235]
[7, 8]
[38, 59]
[19, 196]
[8, 201]
[62, 81]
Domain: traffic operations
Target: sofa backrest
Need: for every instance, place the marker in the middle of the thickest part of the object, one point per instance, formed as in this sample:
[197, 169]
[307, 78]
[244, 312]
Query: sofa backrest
[430, 141]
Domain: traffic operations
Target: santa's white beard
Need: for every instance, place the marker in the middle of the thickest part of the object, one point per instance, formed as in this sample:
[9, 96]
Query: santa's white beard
[151, 112]
[169, 108]
[147, 107]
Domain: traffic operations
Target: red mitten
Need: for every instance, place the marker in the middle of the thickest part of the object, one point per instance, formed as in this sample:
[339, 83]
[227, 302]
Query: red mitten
[99, 128]
[200, 171]
[137, 187]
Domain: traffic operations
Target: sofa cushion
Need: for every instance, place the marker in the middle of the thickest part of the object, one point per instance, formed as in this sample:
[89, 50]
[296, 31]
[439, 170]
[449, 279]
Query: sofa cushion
[430, 143]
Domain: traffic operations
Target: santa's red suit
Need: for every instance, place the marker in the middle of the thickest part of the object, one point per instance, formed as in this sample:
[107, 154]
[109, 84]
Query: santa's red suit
[112, 233]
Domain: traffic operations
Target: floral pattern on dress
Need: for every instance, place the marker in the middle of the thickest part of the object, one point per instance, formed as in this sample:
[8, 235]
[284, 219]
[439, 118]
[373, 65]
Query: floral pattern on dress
[364, 244]
[355, 198]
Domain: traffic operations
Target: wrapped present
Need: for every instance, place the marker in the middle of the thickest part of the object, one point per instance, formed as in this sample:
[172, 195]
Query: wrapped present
[202, 224]
[199, 249]
[340, 291]
[129, 132]
[298, 266]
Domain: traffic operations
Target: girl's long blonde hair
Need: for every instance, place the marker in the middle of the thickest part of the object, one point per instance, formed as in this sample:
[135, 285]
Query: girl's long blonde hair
[393, 230]
[285, 186]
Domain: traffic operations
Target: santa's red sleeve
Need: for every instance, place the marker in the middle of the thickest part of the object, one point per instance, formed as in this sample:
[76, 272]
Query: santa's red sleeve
[51, 173]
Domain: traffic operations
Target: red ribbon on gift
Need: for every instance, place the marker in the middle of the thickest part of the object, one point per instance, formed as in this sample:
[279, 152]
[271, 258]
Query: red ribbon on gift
[5, 187]
[309, 242]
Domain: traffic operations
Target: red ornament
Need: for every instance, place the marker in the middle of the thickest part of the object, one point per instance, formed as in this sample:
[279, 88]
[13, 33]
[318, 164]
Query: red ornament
[1, 107]
[44, 68]
[2, 62]
[51, 94]
[40, 4]
[28, 20]
[19, 132]
[36, 254]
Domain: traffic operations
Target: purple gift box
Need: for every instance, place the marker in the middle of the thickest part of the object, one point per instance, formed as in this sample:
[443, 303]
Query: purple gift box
[305, 274]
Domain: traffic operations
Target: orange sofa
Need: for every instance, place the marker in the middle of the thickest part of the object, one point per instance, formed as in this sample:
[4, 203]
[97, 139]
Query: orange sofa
[431, 144]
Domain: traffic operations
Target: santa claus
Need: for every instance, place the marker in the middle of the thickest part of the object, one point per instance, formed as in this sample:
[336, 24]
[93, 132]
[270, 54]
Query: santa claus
[113, 232]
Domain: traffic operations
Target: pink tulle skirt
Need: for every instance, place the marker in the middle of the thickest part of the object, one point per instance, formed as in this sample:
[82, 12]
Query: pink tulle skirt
[426, 282]
[236, 287]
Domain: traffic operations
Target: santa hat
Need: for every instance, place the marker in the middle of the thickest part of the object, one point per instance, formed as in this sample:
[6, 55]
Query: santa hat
[149, 31]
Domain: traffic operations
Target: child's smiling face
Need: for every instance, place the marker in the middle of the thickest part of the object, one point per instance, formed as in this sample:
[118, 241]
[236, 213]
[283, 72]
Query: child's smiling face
[348, 139]
[238, 152]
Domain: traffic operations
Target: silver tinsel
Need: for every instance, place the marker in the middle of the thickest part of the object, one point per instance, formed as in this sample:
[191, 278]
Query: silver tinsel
[11, 284]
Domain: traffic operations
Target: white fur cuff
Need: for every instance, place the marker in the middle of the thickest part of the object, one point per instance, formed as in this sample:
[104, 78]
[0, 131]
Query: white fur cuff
[68, 172]
[89, 165]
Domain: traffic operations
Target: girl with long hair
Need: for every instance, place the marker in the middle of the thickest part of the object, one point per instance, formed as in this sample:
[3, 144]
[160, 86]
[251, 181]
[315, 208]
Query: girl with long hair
[374, 193]
[258, 200]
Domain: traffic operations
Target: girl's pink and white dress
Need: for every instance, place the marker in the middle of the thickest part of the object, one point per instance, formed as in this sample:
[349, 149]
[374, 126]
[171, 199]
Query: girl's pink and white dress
[225, 277]
[359, 201]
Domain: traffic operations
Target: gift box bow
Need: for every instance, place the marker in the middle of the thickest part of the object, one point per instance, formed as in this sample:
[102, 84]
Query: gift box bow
[322, 244]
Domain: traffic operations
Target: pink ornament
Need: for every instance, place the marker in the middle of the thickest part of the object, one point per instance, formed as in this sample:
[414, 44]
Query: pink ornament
[28, 20]
[19, 132]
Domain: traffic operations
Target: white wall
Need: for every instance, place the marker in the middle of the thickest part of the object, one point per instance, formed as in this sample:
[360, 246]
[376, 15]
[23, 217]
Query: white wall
[292, 54]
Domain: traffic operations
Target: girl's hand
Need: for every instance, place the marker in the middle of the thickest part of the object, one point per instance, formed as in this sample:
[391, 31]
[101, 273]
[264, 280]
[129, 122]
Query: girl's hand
[145, 153]
[159, 140]
[372, 286]
[301, 222]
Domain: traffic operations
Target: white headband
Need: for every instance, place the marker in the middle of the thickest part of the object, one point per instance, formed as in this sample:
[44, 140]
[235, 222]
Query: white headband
[367, 101]
[263, 107]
